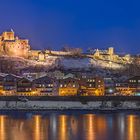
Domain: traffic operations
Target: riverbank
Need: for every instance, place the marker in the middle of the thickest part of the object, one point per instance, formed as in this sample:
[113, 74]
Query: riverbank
[102, 103]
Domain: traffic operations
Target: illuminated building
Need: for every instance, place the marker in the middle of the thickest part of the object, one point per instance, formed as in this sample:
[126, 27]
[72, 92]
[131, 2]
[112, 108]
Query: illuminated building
[9, 84]
[42, 56]
[92, 86]
[134, 84]
[44, 85]
[37, 55]
[13, 46]
[68, 87]
[1, 83]
[24, 87]
[109, 55]
[130, 86]
[123, 88]
[106, 54]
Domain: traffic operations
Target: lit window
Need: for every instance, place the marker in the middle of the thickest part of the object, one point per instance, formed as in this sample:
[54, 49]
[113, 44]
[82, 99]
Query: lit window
[73, 85]
[61, 85]
[51, 85]
[90, 85]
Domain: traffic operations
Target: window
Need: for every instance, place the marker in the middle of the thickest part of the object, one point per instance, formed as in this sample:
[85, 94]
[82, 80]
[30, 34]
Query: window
[74, 86]
[90, 85]
[61, 85]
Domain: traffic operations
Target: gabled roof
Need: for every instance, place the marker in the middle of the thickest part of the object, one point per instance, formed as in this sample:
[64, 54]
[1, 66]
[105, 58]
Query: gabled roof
[134, 77]
[12, 75]
[70, 78]
[3, 74]
[44, 79]
[24, 79]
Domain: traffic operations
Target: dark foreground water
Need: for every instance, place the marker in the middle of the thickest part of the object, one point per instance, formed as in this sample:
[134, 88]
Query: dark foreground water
[70, 125]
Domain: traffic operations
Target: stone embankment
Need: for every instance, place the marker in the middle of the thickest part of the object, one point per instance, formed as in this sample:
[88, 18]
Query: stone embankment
[62, 103]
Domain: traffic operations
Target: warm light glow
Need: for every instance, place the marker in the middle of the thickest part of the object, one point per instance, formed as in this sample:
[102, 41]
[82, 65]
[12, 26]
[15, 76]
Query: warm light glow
[63, 132]
[89, 124]
[131, 127]
[37, 127]
[2, 128]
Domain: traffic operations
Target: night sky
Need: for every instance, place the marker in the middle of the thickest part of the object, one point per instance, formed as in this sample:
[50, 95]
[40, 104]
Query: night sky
[77, 23]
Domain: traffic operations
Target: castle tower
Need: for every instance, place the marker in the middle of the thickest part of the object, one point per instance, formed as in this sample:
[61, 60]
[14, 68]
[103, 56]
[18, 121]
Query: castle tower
[111, 51]
[8, 35]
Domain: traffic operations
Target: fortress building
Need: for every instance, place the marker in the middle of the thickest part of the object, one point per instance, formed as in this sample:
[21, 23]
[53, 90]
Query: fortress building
[106, 54]
[13, 46]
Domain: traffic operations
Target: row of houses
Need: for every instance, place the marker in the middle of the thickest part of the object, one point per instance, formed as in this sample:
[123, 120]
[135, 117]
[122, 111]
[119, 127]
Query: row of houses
[47, 86]
[130, 86]
[59, 84]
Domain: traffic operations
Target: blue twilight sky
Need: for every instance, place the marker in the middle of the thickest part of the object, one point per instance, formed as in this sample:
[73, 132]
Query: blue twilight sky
[78, 23]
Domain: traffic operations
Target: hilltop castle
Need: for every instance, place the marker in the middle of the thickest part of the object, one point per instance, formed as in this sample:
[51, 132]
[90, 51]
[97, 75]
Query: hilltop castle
[13, 46]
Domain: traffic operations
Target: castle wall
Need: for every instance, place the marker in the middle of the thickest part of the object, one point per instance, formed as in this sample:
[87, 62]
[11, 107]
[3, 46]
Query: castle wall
[59, 52]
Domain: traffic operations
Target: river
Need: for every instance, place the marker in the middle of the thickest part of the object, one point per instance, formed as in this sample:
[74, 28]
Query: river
[69, 125]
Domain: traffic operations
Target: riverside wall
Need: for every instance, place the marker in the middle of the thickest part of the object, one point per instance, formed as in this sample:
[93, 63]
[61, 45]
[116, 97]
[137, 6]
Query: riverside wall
[64, 103]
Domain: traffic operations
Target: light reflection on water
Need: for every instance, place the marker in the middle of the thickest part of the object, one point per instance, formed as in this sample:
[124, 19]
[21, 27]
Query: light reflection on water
[70, 126]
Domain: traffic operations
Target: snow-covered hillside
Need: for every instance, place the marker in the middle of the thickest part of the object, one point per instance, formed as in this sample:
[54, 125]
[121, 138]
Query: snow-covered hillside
[87, 63]
[59, 61]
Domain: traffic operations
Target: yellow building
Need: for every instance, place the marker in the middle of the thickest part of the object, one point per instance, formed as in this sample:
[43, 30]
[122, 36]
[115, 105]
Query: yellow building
[68, 87]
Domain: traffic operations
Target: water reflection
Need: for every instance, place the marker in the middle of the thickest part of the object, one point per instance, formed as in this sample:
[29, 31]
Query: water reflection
[70, 127]
[2, 128]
